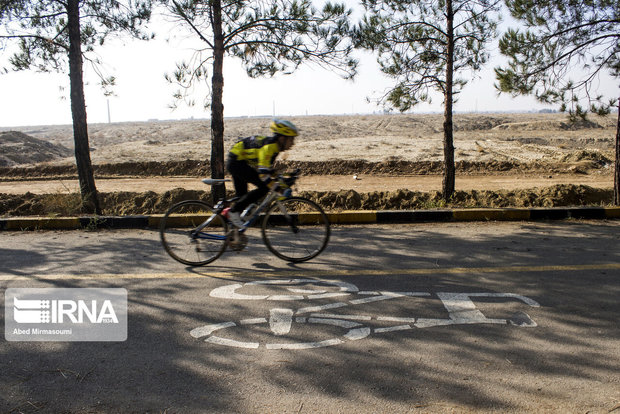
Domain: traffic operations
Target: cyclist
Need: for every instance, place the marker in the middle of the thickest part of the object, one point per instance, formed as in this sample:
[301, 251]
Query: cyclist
[251, 160]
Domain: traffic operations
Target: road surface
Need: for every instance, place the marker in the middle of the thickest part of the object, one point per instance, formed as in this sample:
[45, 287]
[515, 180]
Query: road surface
[457, 317]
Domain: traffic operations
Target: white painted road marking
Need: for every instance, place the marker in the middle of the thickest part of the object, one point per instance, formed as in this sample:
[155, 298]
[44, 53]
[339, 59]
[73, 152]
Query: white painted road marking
[463, 310]
[459, 305]
[280, 320]
[230, 291]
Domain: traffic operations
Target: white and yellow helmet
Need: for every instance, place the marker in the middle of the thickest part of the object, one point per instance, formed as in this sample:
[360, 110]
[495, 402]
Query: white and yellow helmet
[282, 127]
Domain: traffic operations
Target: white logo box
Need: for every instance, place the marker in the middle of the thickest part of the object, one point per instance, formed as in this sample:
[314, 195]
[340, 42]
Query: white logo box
[65, 314]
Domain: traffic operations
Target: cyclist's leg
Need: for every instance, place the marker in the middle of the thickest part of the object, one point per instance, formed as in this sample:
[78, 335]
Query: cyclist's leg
[253, 196]
[237, 171]
[249, 175]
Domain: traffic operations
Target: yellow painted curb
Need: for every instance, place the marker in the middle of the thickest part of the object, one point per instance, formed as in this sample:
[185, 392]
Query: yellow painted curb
[612, 212]
[155, 220]
[353, 217]
[179, 220]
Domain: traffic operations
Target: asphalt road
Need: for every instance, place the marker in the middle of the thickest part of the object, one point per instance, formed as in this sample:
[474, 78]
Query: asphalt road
[450, 317]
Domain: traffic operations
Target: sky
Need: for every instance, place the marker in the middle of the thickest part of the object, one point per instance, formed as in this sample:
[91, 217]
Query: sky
[141, 93]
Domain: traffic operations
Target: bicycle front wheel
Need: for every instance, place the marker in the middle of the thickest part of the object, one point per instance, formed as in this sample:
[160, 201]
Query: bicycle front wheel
[295, 229]
[193, 234]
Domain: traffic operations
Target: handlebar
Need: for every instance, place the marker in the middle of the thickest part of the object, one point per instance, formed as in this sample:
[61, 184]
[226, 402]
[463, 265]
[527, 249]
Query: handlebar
[288, 179]
[281, 183]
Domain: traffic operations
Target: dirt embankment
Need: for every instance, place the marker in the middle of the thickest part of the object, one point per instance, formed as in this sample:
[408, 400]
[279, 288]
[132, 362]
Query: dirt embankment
[124, 203]
[580, 162]
[130, 203]
[382, 146]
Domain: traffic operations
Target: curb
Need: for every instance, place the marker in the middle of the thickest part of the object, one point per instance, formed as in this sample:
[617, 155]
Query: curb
[344, 217]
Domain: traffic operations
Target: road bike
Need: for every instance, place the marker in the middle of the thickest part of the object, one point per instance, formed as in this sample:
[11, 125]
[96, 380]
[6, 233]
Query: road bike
[295, 229]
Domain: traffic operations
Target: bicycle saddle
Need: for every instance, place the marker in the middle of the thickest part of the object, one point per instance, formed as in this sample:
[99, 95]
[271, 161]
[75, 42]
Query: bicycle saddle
[212, 181]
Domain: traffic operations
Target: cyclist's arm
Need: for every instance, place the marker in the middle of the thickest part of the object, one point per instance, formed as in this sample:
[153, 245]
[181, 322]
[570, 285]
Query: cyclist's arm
[266, 157]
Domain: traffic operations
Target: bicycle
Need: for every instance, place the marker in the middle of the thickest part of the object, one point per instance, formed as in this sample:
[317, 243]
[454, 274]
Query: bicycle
[294, 229]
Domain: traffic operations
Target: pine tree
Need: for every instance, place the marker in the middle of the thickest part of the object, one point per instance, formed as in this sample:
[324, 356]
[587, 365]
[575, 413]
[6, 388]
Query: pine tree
[429, 45]
[269, 37]
[560, 36]
[54, 35]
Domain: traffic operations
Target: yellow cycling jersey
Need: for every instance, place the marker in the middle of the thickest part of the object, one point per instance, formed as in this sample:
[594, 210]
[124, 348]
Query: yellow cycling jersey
[258, 151]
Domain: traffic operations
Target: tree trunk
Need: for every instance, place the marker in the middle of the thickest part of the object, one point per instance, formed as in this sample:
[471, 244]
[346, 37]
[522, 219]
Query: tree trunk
[217, 107]
[448, 138]
[90, 202]
[617, 173]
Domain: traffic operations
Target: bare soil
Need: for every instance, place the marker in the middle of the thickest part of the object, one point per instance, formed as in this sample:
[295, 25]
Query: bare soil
[502, 160]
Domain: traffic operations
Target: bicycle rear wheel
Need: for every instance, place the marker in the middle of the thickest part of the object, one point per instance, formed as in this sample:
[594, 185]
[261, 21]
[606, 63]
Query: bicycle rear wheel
[186, 239]
[295, 229]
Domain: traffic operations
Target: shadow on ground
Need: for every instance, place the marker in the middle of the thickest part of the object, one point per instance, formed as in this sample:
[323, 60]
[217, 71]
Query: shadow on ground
[161, 368]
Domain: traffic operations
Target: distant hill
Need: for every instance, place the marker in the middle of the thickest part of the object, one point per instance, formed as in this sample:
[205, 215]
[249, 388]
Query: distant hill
[17, 148]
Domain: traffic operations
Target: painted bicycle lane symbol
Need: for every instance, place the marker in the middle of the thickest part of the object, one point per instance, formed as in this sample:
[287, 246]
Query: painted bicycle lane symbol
[460, 307]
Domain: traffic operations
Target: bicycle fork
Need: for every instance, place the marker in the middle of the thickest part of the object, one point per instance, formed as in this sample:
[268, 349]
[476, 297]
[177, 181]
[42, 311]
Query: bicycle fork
[290, 220]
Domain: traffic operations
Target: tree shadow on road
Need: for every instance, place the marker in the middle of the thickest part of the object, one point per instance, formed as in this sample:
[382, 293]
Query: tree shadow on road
[568, 362]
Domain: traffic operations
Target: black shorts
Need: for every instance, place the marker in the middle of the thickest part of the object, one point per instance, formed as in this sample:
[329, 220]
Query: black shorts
[242, 174]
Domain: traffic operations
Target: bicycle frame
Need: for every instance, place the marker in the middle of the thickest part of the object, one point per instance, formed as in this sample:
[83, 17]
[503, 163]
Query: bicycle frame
[222, 204]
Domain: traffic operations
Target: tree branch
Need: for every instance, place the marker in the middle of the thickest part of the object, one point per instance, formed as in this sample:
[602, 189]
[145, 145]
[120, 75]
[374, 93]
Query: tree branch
[186, 18]
[570, 53]
[574, 28]
[36, 37]
[263, 23]
[312, 55]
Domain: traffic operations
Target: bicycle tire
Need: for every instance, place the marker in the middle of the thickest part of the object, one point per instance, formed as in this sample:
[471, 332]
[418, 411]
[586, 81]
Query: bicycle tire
[199, 249]
[300, 240]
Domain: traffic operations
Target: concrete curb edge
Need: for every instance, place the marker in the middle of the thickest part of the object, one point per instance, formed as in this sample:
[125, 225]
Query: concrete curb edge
[344, 217]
